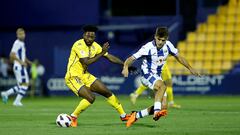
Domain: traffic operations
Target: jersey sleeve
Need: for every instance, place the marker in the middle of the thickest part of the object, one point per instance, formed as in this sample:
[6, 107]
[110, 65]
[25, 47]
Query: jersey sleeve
[99, 49]
[172, 50]
[15, 48]
[143, 51]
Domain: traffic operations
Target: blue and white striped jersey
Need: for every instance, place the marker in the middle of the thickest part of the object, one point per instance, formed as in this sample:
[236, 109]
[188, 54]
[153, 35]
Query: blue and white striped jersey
[154, 59]
[20, 51]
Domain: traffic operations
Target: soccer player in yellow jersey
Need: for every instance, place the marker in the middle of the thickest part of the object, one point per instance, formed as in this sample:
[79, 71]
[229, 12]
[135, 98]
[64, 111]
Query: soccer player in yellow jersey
[167, 78]
[83, 53]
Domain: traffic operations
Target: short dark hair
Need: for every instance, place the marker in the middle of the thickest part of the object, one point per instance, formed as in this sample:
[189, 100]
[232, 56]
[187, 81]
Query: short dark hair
[90, 28]
[162, 32]
[20, 30]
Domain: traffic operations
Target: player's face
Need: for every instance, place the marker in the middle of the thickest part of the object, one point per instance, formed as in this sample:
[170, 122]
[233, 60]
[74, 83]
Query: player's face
[21, 35]
[89, 38]
[160, 41]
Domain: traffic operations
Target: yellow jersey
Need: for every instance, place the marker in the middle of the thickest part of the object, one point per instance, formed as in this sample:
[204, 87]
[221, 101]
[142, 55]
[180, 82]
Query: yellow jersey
[166, 73]
[81, 50]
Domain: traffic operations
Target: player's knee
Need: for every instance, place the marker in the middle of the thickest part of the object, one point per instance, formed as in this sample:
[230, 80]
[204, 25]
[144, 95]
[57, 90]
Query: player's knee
[91, 99]
[24, 85]
[157, 86]
[168, 83]
[23, 90]
[160, 87]
[108, 94]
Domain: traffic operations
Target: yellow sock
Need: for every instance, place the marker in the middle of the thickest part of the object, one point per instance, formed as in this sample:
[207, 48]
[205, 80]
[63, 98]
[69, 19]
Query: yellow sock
[115, 103]
[83, 105]
[170, 94]
[140, 89]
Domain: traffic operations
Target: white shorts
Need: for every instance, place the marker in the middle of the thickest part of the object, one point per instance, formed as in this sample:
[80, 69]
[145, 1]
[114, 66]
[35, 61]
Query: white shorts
[150, 79]
[21, 74]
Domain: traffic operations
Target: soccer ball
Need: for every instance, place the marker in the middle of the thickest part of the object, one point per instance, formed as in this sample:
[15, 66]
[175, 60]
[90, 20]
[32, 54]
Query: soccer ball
[63, 120]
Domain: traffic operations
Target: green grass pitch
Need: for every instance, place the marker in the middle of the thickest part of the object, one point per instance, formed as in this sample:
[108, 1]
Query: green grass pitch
[199, 115]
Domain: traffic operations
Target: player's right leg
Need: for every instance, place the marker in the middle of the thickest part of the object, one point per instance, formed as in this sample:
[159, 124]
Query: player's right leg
[88, 99]
[153, 82]
[135, 115]
[76, 85]
[160, 89]
[136, 93]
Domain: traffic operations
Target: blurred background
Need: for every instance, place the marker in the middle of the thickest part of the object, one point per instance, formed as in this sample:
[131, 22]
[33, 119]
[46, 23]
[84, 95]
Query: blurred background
[207, 33]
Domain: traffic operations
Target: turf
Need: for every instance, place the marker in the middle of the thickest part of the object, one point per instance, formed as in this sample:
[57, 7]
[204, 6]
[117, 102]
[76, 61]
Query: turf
[199, 115]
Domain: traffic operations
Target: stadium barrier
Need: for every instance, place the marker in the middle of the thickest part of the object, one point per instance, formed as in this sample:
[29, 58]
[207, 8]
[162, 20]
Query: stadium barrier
[210, 84]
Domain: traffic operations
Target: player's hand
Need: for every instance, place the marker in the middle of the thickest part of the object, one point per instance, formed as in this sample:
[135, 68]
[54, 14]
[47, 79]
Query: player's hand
[125, 72]
[105, 47]
[132, 70]
[23, 63]
[194, 72]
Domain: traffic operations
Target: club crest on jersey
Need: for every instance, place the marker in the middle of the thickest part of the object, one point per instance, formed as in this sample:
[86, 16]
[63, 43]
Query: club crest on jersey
[161, 59]
[82, 52]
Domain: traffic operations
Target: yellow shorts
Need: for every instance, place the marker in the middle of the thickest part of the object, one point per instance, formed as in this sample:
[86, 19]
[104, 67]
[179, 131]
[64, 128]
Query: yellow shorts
[166, 74]
[76, 82]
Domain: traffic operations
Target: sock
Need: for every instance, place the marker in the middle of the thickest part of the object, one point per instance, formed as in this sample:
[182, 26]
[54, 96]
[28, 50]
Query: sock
[169, 94]
[140, 90]
[23, 90]
[123, 115]
[21, 93]
[12, 91]
[115, 103]
[170, 103]
[142, 113]
[18, 98]
[83, 105]
[157, 106]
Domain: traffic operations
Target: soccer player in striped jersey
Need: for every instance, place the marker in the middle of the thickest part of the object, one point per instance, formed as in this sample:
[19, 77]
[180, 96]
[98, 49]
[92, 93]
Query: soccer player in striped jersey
[85, 52]
[167, 78]
[20, 63]
[155, 54]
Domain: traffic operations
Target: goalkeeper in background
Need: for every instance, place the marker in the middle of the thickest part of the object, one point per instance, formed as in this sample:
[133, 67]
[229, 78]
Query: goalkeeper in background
[167, 78]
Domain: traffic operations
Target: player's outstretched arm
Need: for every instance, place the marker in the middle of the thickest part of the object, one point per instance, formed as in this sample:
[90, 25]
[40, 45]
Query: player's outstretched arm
[128, 62]
[114, 59]
[184, 62]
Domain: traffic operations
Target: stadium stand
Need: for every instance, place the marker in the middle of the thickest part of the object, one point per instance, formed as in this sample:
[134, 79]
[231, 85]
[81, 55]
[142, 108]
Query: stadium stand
[214, 47]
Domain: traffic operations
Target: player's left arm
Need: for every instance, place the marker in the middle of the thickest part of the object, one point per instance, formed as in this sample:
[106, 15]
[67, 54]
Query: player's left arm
[184, 62]
[114, 59]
